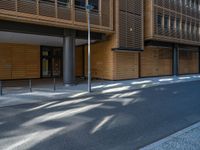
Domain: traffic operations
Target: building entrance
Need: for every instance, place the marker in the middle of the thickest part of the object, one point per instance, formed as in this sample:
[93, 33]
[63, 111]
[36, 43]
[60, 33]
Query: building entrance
[51, 62]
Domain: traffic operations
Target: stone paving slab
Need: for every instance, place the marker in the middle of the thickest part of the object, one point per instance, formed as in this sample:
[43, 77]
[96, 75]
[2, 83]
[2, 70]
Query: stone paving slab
[187, 139]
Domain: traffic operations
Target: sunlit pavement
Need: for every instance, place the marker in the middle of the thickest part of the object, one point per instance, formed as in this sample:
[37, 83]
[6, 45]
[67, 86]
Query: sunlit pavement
[118, 120]
[43, 91]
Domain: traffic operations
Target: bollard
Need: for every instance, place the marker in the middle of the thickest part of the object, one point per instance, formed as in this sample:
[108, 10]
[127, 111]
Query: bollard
[30, 85]
[54, 84]
[1, 89]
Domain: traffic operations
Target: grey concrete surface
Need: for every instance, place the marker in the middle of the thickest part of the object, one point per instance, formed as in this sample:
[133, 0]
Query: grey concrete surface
[186, 139]
[116, 119]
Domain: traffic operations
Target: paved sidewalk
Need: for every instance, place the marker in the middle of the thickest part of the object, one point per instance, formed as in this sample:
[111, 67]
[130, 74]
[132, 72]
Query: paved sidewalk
[187, 139]
[44, 92]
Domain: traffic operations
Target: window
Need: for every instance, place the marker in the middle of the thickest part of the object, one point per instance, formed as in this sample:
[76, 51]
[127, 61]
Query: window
[188, 29]
[178, 25]
[172, 23]
[95, 4]
[63, 2]
[159, 21]
[82, 4]
[48, 1]
[166, 23]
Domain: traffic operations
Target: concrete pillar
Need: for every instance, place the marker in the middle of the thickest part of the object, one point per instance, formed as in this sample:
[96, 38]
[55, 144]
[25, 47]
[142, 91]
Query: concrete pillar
[175, 60]
[69, 59]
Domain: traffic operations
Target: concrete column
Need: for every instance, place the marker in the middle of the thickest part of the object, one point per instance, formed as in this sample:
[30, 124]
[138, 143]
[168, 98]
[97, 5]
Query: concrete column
[69, 59]
[175, 60]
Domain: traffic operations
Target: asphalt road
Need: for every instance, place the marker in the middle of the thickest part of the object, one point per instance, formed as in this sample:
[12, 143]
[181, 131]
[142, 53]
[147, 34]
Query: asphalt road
[119, 121]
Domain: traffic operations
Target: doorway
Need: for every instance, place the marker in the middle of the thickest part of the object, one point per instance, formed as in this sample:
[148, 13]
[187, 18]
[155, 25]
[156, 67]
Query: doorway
[51, 62]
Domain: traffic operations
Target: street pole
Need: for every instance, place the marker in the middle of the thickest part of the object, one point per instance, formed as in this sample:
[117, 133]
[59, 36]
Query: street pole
[89, 8]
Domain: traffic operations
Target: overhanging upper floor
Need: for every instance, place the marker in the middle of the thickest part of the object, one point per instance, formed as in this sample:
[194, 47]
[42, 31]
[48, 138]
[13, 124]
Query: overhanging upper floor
[60, 13]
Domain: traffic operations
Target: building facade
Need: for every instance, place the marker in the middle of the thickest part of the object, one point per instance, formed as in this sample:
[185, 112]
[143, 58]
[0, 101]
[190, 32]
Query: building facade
[130, 38]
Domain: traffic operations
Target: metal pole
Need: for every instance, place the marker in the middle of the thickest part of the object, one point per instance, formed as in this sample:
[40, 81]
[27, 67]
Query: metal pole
[54, 84]
[30, 85]
[1, 89]
[89, 59]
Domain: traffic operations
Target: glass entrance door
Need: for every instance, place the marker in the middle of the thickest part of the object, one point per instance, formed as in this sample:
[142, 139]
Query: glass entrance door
[51, 62]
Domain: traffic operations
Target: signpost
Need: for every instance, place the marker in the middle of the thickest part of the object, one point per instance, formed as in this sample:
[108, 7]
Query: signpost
[88, 9]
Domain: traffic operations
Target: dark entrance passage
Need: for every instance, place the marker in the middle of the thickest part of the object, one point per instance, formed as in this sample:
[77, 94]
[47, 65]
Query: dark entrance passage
[51, 62]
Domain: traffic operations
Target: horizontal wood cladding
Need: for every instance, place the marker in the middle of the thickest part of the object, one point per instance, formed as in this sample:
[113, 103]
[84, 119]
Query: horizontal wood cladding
[101, 59]
[155, 61]
[126, 65]
[130, 24]
[55, 13]
[19, 61]
[188, 62]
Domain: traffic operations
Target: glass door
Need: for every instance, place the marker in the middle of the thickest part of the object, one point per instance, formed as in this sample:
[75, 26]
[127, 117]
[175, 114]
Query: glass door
[56, 62]
[51, 62]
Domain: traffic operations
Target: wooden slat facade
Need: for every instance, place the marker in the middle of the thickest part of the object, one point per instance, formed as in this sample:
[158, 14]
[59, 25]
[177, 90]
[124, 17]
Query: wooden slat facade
[172, 21]
[188, 62]
[19, 61]
[53, 13]
[130, 24]
[156, 61]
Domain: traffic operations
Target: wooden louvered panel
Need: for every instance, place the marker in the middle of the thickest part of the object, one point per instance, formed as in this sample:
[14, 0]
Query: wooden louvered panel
[130, 30]
[127, 66]
[131, 25]
[123, 29]
[135, 6]
[188, 62]
[80, 15]
[64, 12]
[5, 63]
[32, 55]
[105, 20]
[25, 6]
[172, 4]
[8, 5]
[95, 18]
[165, 61]
[166, 4]
[159, 2]
[105, 12]
[47, 9]
[123, 5]
[138, 32]
[18, 63]
[156, 61]
[148, 65]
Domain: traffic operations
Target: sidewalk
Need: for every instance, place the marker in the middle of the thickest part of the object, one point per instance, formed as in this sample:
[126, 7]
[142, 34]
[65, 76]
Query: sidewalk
[187, 139]
[44, 92]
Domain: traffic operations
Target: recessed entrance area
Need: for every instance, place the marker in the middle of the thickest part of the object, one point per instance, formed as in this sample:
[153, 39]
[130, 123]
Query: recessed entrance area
[51, 61]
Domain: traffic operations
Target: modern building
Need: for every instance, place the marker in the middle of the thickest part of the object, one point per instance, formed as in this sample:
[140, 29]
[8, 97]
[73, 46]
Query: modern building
[130, 38]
